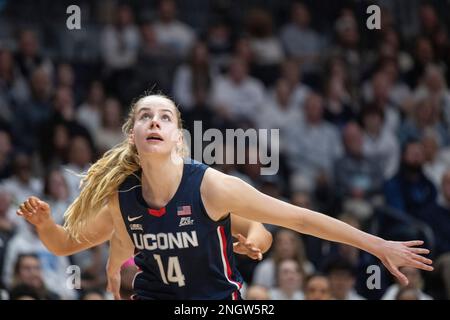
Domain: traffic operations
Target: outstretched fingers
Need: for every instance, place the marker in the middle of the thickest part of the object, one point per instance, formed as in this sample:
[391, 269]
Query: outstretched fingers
[413, 243]
[400, 276]
[419, 250]
[420, 265]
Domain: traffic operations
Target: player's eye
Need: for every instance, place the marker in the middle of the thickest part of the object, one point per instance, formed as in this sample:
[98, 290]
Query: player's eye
[165, 117]
[145, 116]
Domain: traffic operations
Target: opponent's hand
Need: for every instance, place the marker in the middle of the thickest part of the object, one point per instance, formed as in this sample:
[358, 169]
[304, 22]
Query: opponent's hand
[245, 246]
[114, 283]
[396, 254]
[35, 211]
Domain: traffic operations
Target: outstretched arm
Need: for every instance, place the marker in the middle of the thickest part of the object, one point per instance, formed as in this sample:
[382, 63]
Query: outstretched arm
[231, 194]
[253, 238]
[56, 239]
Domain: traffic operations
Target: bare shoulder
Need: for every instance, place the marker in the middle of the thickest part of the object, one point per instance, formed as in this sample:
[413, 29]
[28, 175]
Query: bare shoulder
[216, 183]
[217, 190]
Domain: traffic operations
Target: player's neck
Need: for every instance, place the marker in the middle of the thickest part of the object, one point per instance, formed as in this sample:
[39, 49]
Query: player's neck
[160, 180]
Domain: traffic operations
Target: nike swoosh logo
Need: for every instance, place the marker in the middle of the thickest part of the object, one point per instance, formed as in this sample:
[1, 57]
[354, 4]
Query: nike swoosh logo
[134, 218]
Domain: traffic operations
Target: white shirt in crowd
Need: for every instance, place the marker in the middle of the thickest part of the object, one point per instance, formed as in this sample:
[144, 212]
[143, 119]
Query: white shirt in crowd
[54, 268]
[120, 47]
[393, 290]
[384, 148]
[89, 117]
[264, 274]
[267, 50]
[277, 294]
[21, 191]
[435, 170]
[175, 35]
[241, 99]
[73, 180]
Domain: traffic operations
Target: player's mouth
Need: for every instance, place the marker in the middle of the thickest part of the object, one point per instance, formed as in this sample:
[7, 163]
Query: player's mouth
[154, 137]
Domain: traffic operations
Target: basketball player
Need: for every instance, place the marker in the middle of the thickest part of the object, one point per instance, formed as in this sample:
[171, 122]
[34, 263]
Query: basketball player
[176, 214]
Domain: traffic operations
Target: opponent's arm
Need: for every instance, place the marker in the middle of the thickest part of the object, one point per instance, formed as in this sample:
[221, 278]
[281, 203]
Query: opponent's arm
[253, 238]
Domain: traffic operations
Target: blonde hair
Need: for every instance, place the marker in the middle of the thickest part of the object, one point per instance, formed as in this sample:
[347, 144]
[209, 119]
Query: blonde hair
[105, 176]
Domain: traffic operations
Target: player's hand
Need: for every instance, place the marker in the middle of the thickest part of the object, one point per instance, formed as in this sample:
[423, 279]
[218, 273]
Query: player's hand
[396, 254]
[36, 212]
[245, 246]
[113, 283]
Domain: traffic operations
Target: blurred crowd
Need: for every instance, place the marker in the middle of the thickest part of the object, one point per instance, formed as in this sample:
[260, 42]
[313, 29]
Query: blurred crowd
[364, 119]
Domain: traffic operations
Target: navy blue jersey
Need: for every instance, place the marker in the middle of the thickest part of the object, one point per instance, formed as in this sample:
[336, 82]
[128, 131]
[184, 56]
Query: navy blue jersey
[180, 251]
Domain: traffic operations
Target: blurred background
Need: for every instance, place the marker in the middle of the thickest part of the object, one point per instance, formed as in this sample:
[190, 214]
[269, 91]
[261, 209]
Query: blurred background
[364, 118]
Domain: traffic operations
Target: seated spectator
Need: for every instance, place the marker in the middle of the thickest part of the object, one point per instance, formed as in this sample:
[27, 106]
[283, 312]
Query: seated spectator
[110, 132]
[14, 88]
[381, 88]
[65, 77]
[22, 184]
[342, 280]
[6, 154]
[437, 216]
[437, 157]
[237, 96]
[415, 282]
[409, 191]
[338, 108]
[24, 292]
[314, 145]
[317, 287]
[408, 294]
[424, 117]
[357, 176]
[435, 87]
[300, 40]
[28, 272]
[53, 267]
[80, 157]
[219, 41]
[55, 145]
[399, 92]
[196, 73]
[56, 194]
[348, 42]
[289, 282]
[32, 115]
[89, 112]
[28, 57]
[171, 32]
[156, 64]
[256, 292]
[379, 144]
[291, 72]
[92, 295]
[279, 113]
[7, 226]
[287, 245]
[120, 42]
[266, 48]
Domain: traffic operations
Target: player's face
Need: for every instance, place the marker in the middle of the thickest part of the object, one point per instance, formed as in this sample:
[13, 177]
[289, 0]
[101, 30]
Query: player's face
[155, 128]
